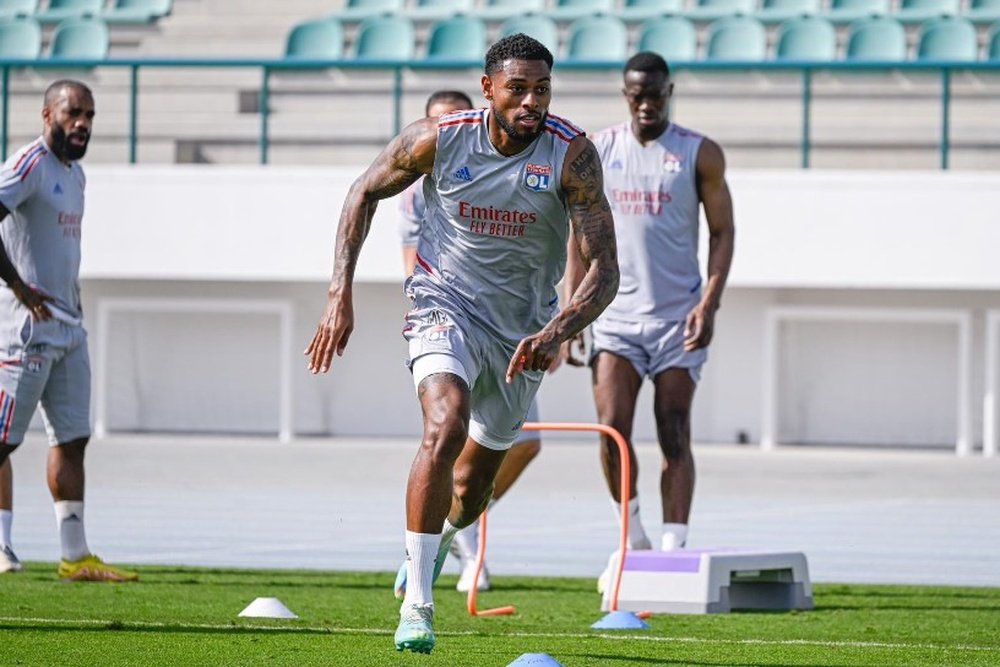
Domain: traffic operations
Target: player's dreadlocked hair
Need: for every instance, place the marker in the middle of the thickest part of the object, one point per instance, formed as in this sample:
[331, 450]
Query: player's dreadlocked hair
[647, 61]
[516, 47]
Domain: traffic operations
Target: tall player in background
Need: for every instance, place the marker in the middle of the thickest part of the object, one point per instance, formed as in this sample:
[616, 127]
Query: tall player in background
[485, 323]
[42, 340]
[657, 175]
[411, 215]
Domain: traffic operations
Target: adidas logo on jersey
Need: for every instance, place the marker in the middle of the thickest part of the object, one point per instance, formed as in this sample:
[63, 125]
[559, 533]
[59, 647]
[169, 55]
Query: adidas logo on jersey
[464, 174]
[57, 190]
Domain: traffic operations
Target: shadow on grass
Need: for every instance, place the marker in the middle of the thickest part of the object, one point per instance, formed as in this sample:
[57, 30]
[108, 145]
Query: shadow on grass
[631, 660]
[116, 626]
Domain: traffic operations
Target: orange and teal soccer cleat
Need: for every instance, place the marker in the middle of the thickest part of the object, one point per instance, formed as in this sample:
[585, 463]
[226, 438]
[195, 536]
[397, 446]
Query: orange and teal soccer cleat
[416, 632]
[92, 568]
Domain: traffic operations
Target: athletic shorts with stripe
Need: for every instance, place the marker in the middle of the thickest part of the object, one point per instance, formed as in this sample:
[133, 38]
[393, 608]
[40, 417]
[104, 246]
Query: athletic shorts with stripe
[652, 346]
[444, 340]
[48, 363]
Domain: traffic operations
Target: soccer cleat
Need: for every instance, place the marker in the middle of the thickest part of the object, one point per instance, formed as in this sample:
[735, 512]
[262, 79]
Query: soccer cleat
[9, 561]
[464, 584]
[399, 586]
[416, 632]
[92, 568]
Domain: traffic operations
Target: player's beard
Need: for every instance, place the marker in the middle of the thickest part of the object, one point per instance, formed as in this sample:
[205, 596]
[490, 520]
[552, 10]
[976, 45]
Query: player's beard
[525, 137]
[61, 145]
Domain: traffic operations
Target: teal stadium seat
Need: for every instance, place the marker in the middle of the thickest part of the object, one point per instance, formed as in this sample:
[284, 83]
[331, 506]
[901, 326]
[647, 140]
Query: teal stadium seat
[20, 37]
[387, 37]
[710, 10]
[457, 38]
[983, 11]
[673, 37]
[137, 11]
[499, 10]
[948, 38]
[993, 45]
[439, 9]
[914, 11]
[736, 38]
[358, 10]
[81, 38]
[319, 39]
[806, 38]
[876, 38]
[18, 7]
[845, 11]
[599, 37]
[568, 10]
[64, 9]
[775, 11]
[540, 27]
[640, 10]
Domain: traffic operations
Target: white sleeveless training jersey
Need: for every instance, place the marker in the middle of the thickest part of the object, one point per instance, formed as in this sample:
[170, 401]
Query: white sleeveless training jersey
[493, 242]
[42, 235]
[654, 197]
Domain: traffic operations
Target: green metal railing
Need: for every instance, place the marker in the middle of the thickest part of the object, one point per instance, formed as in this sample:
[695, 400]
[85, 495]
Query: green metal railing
[267, 66]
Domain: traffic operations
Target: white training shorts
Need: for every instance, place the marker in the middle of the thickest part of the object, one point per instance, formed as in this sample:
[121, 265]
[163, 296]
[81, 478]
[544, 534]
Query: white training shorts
[652, 346]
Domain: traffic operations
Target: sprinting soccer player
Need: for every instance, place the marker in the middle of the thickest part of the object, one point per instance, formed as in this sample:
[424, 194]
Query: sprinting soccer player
[411, 214]
[657, 175]
[485, 323]
[44, 344]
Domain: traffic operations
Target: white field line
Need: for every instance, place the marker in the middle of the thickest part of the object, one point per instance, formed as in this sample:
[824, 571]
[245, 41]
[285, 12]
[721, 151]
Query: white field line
[125, 625]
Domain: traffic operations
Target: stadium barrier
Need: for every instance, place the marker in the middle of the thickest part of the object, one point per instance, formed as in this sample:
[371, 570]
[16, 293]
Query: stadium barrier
[267, 66]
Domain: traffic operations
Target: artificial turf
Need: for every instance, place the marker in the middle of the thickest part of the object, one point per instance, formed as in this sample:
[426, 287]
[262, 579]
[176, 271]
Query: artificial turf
[189, 616]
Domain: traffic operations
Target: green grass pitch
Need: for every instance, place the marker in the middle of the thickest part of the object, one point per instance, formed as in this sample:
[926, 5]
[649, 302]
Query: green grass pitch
[188, 616]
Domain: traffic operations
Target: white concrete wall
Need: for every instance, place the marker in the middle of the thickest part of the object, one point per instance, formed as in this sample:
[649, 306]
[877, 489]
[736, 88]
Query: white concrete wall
[828, 238]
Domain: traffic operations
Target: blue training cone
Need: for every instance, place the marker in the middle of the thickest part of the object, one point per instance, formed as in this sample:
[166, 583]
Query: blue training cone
[536, 660]
[621, 620]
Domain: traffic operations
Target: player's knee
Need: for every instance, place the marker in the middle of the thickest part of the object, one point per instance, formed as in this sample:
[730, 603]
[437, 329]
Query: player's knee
[673, 433]
[445, 437]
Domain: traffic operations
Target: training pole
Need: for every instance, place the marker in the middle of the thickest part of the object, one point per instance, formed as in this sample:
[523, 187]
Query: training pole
[624, 486]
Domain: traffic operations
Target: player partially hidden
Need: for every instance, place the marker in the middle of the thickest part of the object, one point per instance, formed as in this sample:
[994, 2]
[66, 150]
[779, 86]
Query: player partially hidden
[485, 323]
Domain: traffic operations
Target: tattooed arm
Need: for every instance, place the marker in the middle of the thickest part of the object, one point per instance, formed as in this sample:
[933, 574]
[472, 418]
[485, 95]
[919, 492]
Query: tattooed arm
[594, 231]
[401, 163]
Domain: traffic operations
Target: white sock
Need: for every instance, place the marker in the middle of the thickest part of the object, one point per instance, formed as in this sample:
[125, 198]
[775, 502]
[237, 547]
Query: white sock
[421, 552]
[674, 536]
[467, 541]
[6, 521]
[636, 534]
[69, 517]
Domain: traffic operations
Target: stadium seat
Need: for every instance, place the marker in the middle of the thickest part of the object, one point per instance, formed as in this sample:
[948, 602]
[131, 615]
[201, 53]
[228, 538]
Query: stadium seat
[137, 11]
[844, 11]
[319, 39]
[710, 10]
[775, 11]
[20, 37]
[736, 38]
[983, 11]
[673, 37]
[540, 27]
[505, 9]
[876, 38]
[567, 10]
[439, 9]
[457, 38]
[358, 10]
[640, 10]
[993, 45]
[806, 38]
[388, 37]
[83, 38]
[18, 8]
[948, 38]
[920, 10]
[64, 9]
[599, 37]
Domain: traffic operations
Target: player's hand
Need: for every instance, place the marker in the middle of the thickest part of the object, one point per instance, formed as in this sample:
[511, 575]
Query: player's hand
[535, 353]
[34, 300]
[699, 327]
[566, 351]
[333, 332]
